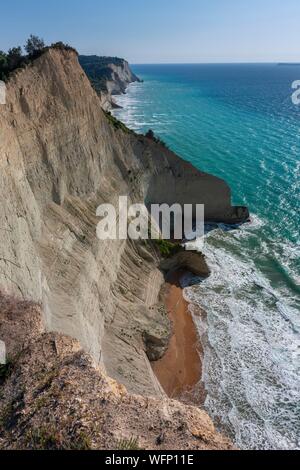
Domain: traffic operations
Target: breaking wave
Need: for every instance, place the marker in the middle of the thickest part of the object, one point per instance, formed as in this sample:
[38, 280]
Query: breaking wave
[250, 334]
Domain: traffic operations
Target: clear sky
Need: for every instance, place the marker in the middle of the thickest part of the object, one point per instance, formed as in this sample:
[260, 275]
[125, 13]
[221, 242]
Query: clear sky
[161, 31]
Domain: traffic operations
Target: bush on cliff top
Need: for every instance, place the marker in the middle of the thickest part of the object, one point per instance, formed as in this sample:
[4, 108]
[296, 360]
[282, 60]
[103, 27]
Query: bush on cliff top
[150, 135]
[35, 47]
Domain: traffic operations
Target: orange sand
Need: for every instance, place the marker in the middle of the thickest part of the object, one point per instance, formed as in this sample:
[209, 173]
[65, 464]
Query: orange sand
[179, 371]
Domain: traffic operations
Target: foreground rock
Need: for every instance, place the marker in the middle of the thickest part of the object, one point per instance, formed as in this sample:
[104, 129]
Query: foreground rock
[54, 396]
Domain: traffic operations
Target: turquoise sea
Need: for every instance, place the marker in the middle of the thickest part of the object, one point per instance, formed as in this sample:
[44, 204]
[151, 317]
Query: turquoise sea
[238, 122]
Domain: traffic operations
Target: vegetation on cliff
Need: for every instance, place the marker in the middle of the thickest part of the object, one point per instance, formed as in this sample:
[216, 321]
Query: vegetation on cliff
[34, 48]
[167, 248]
[116, 123]
[150, 135]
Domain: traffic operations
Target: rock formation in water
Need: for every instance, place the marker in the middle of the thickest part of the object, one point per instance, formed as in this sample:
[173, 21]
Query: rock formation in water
[61, 157]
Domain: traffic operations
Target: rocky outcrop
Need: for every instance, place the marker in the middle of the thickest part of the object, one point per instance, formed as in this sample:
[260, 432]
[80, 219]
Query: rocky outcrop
[55, 396]
[191, 261]
[109, 76]
[60, 158]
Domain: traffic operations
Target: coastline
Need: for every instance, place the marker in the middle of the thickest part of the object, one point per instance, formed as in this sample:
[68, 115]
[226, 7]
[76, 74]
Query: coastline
[227, 308]
[98, 293]
[180, 369]
[106, 296]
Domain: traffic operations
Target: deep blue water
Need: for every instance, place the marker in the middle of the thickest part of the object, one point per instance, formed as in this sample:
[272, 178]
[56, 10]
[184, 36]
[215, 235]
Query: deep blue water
[238, 122]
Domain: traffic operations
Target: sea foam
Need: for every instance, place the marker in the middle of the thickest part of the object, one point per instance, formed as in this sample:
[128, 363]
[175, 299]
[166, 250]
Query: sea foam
[251, 348]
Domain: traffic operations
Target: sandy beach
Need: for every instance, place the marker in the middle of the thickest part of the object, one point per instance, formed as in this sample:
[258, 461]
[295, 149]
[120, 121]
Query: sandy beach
[179, 371]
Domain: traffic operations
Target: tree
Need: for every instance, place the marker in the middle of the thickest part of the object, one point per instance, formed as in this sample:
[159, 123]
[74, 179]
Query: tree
[14, 57]
[150, 134]
[3, 59]
[34, 45]
[3, 65]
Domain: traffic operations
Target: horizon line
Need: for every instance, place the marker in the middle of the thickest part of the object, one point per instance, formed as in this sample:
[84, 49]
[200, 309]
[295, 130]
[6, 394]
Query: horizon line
[217, 63]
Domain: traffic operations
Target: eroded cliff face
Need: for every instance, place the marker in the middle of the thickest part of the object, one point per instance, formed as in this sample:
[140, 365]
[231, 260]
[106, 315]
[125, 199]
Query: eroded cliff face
[59, 159]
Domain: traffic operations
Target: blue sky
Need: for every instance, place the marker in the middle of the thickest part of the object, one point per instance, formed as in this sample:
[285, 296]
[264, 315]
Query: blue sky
[161, 31]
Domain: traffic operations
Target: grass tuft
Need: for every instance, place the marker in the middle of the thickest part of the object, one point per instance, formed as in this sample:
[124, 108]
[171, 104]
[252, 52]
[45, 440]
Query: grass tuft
[128, 444]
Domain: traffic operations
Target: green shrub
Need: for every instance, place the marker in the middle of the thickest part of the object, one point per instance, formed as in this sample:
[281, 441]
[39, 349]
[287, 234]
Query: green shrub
[51, 438]
[35, 47]
[116, 123]
[166, 248]
[150, 135]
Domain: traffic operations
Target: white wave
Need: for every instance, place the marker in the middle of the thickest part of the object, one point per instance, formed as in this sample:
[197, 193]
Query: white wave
[251, 348]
